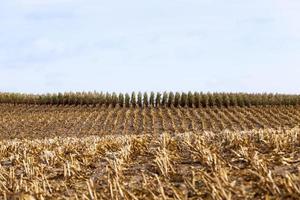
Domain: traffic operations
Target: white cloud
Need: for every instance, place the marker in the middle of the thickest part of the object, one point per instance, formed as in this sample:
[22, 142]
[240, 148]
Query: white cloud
[43, 2]
[291, 15]
[45, 45]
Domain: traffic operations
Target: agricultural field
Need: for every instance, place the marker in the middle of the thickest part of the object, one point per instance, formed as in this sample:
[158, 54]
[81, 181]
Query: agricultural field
[39, 121]
[180, 146]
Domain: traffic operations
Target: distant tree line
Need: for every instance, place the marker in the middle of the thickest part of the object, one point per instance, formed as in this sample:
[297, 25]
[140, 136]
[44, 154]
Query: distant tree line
[165, 99]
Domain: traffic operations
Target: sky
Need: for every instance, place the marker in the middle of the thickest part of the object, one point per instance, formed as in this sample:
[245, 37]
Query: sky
[158, 45]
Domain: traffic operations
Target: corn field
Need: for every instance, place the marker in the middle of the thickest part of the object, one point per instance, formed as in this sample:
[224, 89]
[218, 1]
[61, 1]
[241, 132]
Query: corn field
[166, 99]
[149, 146]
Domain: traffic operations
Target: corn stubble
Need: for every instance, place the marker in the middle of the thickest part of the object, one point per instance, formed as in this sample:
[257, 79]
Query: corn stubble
[149, 146]
[257, 164]
[40, 121]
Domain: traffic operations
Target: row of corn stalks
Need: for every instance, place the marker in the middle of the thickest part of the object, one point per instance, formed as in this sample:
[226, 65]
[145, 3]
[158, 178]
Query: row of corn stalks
[165, 99]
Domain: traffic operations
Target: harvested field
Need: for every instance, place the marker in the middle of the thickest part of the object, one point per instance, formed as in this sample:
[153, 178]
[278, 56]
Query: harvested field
[40, 121]
[257, 164]
[100, 152]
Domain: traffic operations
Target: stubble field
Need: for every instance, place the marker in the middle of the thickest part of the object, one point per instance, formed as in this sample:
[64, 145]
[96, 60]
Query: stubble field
[39, 121]
[100, 152]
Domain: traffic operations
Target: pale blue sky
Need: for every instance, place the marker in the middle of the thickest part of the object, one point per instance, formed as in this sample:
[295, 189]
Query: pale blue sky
[179, 45]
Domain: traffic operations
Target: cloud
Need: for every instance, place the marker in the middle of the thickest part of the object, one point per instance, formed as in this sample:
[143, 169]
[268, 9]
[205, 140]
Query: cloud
[256, 21]
[43, 2]
[46, 46]
[33, 51]
[290, 15]
[46, 15]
